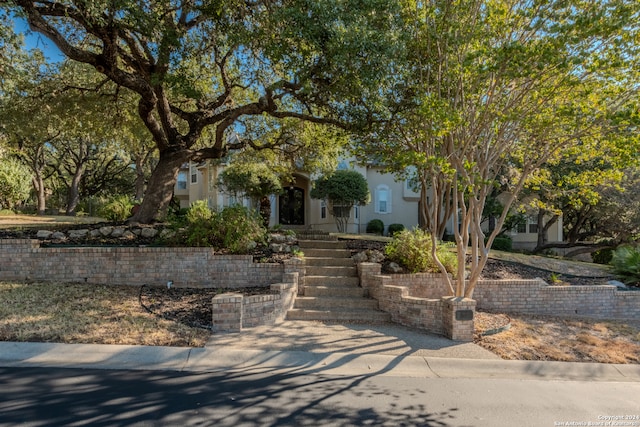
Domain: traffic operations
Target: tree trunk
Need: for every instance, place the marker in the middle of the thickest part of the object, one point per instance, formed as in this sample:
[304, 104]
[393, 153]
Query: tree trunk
[139, 183]
[160, 188]
[73, 194]
[543, 229]
[41, 199]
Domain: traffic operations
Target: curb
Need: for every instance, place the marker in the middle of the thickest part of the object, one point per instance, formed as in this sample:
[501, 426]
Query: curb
[194, 360]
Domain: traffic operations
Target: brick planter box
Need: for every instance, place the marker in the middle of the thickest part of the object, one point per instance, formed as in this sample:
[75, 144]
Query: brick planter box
[416, 300]
[25, 260]
[234, 312]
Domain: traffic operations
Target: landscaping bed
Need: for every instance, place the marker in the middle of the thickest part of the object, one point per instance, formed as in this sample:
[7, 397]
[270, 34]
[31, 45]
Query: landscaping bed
[80, 313]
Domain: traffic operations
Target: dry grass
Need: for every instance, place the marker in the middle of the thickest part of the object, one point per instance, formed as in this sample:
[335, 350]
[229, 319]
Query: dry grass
[547, 338]
[39, 221]
[76, 313]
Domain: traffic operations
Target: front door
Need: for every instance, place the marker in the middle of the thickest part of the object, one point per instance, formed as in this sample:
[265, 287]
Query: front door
[292, 206]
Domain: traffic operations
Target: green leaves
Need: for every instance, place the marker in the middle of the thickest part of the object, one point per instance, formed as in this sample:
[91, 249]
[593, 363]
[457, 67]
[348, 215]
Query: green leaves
[342, 188]
[15, 183]
[256, 180]
[626, 264]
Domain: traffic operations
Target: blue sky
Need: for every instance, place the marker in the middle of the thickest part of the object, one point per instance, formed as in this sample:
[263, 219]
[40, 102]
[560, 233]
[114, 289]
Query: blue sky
[34, 40]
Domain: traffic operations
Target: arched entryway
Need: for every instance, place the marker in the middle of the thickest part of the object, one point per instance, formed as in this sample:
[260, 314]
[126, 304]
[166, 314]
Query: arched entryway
[291, 206]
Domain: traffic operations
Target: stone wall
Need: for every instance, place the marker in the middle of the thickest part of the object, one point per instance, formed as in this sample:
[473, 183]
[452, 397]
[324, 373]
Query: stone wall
[233, 312]
[22, 259]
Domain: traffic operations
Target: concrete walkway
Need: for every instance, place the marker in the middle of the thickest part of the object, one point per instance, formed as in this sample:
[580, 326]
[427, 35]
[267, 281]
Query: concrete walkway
[323, 338]
[313, 348]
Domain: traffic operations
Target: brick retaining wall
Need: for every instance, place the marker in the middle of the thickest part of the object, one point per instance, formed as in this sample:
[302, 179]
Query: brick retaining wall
[537, 297]
[22, 259]
[233, 312]
[417, 300]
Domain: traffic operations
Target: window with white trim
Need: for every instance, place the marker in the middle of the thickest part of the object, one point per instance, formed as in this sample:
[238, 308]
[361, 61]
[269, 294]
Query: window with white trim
[194, 174]
[323, 209]
[529, 225]
[181, 183]
[382, 199]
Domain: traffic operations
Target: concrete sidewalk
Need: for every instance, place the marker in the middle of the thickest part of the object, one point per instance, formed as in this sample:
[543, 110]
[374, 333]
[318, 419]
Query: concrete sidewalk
[196, 360]
[316, 348]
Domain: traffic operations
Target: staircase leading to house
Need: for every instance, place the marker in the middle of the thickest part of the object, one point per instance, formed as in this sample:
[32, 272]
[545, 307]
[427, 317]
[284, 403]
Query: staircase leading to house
[332, 291]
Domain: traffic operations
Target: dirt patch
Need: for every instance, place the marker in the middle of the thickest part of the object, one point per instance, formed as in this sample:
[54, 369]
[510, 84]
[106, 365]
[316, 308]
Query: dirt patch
[188, 306]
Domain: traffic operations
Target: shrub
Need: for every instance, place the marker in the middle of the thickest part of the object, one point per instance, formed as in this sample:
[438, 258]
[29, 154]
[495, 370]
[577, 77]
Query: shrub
[15, 183]
[238, 229]
[117, 209]
[375, 226]
[626, 264]
[447, 255]
[502, 243]
[412, 250]
[602, 256]
[235, 228]
[93, 206]
[395, 228]
[199, 225]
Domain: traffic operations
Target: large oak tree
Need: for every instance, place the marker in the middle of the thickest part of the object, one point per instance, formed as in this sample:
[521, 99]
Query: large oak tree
[202, 68]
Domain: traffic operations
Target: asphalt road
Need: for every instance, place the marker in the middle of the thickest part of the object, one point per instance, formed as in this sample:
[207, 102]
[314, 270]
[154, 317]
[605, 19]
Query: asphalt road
[55, 396]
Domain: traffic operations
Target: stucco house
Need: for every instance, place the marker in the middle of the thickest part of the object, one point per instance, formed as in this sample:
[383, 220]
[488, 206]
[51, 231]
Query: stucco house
[392, 202]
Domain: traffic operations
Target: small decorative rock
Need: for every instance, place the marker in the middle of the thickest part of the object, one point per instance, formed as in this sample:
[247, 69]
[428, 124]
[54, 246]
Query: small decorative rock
[117, 232]
[75, 234]
[617, 284]
[360, 257]
[58, 236]
[279, 247]
[95, 233]
[375, 256]
[44, 234]
[277, 238]
[106, 230]
[394, 267]
[291, 239]
[128, 235]
[148, 232]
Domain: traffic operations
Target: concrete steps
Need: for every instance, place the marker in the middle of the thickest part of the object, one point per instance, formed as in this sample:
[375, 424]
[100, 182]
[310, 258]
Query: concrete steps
[328, 303]
[334, 315]
[332, 291]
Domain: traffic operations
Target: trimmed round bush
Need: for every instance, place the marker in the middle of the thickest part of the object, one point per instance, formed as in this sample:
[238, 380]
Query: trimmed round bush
[502, 243]
[375, 226]
[602, 256]
[395, 228]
